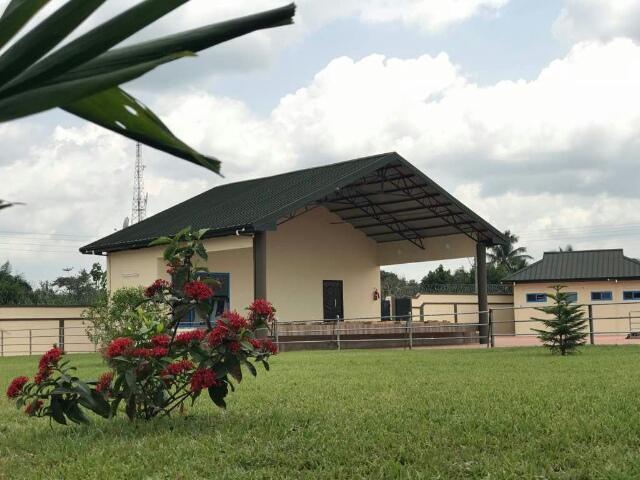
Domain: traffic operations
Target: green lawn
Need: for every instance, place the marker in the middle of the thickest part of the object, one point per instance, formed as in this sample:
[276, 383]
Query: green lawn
[503, 413]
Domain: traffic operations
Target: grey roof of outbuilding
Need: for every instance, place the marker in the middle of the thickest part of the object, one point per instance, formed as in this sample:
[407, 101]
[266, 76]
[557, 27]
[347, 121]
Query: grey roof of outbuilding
[579, 265]
[383, 195]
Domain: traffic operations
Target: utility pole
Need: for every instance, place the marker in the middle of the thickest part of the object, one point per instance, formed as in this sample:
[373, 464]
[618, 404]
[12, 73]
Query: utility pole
[139, 203]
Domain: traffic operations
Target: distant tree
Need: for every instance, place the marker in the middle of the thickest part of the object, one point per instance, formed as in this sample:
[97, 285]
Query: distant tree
[14, 289]
[392, 284]
[509, 257]
[567, 248]
[439, 276]
[565, 330]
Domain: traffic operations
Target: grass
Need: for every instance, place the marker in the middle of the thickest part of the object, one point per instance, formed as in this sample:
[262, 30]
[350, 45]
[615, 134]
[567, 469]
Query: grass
[503, 413]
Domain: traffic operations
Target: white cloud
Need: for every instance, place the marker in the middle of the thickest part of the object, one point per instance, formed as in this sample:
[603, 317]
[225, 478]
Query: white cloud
[598, 19]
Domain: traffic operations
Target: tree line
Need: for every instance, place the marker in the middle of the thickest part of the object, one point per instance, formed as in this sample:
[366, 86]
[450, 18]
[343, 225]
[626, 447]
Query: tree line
[502, 260]
[84, 288]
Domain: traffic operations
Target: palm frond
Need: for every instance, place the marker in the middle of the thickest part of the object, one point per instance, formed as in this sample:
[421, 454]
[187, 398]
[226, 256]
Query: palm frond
[83, 77]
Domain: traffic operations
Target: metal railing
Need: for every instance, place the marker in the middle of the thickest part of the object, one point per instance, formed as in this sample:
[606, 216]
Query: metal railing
[358, 332]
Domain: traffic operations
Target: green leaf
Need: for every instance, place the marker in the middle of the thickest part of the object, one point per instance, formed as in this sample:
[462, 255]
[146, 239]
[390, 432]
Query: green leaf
[119, 112]
[60, 94]
[57, 409]
[251, 368]
[159, 240]
[130, 378]
[192, 40]
[93, 43]
[217, 394]
[114, 406]
[75, 414]
[44, 37]
[234, 368]
[201, 251]
[16, 15]
[201, 233]
[102, 406]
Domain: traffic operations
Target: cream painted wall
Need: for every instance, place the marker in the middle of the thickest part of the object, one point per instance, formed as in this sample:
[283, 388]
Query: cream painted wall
[583, 289]
[319, 246]
[437, 248]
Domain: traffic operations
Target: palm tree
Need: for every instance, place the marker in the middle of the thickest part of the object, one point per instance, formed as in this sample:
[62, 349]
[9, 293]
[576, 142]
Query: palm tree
[507, 256]
[83, 76]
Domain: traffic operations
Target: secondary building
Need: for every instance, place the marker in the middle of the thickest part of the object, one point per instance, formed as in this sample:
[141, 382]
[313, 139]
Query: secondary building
[605, 280]
[312, 241]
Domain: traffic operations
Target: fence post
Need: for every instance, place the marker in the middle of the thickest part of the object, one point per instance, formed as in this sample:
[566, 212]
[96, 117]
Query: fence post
[30, 344]
[338, 331]
[61, 334]
[492, 341]
[455, 312]
[275, 332]
[410, 328]
[1, 343]
[591, 335]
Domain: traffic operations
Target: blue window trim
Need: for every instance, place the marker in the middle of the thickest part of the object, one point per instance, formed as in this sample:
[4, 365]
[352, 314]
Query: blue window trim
[536, 297]
[605, 296]
[634, 294]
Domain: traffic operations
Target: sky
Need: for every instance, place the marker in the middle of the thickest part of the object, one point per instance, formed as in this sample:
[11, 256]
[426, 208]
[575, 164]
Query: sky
[526, 111]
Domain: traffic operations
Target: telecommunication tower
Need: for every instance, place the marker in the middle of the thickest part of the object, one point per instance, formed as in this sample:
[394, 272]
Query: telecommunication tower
[139, 204]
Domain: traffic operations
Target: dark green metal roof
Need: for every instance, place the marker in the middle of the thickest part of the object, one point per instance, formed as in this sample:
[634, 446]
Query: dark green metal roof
[368, 184]
[579, 265]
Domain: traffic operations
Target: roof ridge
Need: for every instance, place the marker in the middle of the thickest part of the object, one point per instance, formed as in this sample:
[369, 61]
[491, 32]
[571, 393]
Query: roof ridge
[587, 251]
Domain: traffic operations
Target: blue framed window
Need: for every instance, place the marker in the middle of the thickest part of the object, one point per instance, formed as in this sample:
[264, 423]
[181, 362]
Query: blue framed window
[220, 301]
[536, 297]
[631, 295]
[601, 296]
[572, 297]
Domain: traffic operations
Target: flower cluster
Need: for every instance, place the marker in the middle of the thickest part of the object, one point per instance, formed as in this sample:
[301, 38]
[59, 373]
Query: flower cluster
[155, 352]
[236, 321]
[118, 347]
[265, 345]
[261, 313]
[198, 290]
[203, 378]
[161, 340]
[156, 287]
[104, 382]
[49, 360]
[176, 368]
[16, 386]
[191, 336]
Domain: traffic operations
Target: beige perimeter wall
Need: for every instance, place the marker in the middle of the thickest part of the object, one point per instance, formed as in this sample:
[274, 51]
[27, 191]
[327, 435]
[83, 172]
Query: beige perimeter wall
[583, 289]
[442, 308]
[34, 330]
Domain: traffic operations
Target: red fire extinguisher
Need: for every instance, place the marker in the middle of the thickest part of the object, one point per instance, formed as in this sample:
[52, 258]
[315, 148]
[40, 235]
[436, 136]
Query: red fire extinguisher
[376, 294]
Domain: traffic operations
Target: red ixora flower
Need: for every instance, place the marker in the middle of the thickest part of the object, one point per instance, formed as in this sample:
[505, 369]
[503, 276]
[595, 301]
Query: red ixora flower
[203, 378]
[156, 287]
[16, 386]
[176, 368]
[235, 347]
[265, 345]
[49, 359]
[198, 290]
[155, 352]
[104, 382]
[185, 338]
[118, 347]
[33, 407]
[161, 340]
[262, 307]
[235, 320]
[217, 335]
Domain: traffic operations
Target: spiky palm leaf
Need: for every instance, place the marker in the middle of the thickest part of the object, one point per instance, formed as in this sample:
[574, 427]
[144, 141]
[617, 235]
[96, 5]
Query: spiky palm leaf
[4, 204]
[507, 256]
[83, 76]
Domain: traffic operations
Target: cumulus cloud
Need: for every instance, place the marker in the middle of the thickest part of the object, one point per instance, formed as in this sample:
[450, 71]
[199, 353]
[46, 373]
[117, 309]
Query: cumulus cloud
[598, 19]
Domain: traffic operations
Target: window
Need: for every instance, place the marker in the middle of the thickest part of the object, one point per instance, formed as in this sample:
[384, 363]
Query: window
[601, 296]
[220, 301]
[572, 297]
[536, 297]
[631, 295]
